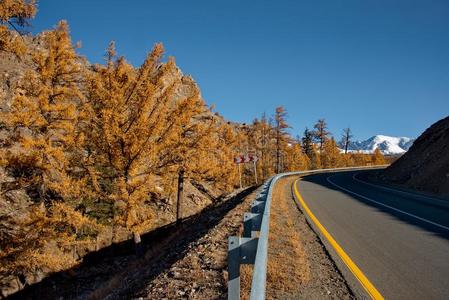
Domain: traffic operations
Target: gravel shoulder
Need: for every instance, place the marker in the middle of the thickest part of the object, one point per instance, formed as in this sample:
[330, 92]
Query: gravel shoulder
[299, 266]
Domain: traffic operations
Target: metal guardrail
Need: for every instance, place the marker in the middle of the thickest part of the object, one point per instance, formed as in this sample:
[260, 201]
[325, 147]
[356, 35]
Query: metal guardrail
[252, 248]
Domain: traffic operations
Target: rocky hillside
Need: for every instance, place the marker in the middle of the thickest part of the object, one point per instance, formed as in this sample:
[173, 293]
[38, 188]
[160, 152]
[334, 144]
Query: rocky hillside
[425, 166]
[18, 201]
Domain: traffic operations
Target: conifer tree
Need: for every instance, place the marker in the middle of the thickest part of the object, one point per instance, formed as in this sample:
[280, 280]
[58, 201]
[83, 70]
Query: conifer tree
[280, 134]
[260, 140]
[139, 130]
[315, 158]
[361, 159]
[13, 16]
[378, 158]
[43, 119]
[265, 145]
[347, 160]
[330, 156]
[346, 138]
[296, 159]
[45, 240]
[222, 161]
[42, 154]
[321, 133]
[271, 147]
[307, 142]
[205, 148]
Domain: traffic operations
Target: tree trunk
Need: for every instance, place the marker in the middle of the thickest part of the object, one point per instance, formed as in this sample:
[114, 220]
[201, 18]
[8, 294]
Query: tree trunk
[277, 151]
[74, 249]
[180, 194]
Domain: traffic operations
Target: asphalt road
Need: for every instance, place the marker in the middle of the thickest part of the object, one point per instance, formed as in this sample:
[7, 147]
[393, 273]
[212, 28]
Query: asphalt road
[400, 242]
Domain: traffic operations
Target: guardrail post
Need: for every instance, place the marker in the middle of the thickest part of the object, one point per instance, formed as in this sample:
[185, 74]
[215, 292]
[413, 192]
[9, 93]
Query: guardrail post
[251, 224]
[234, 268]
[248, 247]
[257, 206]
[241, 250]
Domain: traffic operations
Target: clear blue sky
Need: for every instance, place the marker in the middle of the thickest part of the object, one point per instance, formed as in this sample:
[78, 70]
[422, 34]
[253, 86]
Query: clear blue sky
[378, 66]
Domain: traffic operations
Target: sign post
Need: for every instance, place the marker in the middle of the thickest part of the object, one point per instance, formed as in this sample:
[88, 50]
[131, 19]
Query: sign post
[238, 160]
[255, 170]
[241, 159]
[240, 176]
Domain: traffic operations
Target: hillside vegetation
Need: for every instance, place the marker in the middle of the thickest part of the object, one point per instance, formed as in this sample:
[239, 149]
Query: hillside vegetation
[90, 154]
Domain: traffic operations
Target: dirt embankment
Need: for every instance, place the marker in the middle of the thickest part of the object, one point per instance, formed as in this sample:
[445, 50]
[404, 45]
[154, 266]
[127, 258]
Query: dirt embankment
[200, 272]
[187, 260]
[15, 204]
[425, 167]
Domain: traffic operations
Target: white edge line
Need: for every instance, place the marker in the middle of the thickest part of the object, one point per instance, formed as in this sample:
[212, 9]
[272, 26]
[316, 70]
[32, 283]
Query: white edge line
[395, 190]
[385, 205]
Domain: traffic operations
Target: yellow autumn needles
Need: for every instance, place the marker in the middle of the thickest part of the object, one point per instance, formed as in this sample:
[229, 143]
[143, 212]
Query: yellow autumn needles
[137, 129]
[14, 15]
[93, 150]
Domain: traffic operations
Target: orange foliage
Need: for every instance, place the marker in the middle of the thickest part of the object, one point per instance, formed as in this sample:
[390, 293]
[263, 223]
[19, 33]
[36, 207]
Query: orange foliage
[81, 135]
[14, 14]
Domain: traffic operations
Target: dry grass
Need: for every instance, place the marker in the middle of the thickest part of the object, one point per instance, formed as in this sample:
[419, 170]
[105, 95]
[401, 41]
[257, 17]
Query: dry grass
[298, 265]
[246, 272]
[288, 267]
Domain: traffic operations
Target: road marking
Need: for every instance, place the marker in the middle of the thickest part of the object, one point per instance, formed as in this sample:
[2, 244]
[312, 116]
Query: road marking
[385, 205]
[381, 187]
[367, 285]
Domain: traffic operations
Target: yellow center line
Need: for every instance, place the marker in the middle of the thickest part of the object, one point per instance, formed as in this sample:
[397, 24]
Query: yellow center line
[364, 281]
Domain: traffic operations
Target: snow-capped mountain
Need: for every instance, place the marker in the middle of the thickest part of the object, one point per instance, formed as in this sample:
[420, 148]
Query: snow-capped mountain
[389, 145]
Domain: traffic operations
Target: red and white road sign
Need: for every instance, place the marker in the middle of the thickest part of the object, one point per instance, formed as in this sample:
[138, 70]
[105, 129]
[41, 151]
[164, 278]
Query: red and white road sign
[240, 159]
[251, 157]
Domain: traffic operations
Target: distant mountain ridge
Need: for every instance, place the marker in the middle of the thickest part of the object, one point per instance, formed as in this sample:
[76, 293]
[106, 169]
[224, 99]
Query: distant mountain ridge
[388, 145]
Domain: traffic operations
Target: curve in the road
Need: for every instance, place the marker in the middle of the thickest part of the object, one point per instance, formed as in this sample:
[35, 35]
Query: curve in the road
[328, 179]
[359, 275]
[399, 243]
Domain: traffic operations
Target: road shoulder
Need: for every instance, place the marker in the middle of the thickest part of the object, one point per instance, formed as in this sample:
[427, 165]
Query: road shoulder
[299, 266]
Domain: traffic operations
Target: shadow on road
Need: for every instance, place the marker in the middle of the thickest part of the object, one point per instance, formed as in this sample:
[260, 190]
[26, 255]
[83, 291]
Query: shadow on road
[413, 206]
[163, 247]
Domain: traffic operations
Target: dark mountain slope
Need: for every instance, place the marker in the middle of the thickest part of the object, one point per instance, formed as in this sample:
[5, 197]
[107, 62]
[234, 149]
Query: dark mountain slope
[425, 166]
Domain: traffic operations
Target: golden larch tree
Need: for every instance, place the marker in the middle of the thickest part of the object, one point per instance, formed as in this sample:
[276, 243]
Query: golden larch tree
[378, 158]
[330, 155]
[315, 158]
[43, 119]
[139, 131]
[13, 16]
[321, 134]
[281, 136]
[40, 154]
[296, 160]
[45, 242]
